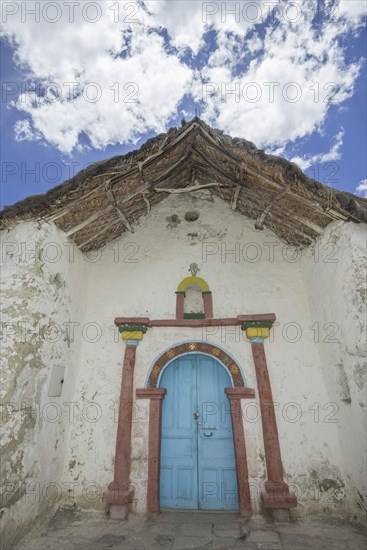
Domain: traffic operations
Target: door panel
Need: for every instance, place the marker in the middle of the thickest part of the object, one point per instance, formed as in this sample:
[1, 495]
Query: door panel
[197, 456]
[216, 460]
[178, 484]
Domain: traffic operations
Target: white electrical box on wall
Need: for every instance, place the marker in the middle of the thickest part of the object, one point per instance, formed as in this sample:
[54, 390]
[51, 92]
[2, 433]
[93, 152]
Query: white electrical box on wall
[56, 381]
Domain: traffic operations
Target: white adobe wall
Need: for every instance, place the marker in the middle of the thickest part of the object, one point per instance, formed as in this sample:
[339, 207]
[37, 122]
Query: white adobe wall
[335, 276]
[42, 289]
[137, 275]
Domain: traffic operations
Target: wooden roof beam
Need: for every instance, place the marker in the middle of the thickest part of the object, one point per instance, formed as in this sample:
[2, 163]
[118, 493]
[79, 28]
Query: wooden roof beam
[261, 219]
[89, 220]
[170, 170]
[241, 206]
[214, 165]
[169, 146]
[190, 188]
[120, 213]
[68, 207]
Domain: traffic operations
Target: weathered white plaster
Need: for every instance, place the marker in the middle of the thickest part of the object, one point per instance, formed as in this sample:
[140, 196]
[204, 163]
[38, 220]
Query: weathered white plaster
[248, 271]
[42, 289]
[335, 275]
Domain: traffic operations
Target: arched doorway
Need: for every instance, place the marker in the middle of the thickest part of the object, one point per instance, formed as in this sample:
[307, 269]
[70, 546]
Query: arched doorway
[198, 465]
[156, 393]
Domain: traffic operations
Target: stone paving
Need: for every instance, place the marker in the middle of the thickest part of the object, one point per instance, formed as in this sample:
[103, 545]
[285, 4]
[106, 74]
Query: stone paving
[79, 530]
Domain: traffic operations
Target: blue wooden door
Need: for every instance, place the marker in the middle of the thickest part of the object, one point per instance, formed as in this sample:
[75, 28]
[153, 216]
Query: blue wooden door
[179, 467]
[216, 460]
[197, 455]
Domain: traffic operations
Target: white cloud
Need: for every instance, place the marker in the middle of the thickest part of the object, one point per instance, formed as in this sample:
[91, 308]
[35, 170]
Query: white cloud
[254, 44]
[183, 21]
[353, 10]
[334, 154]
[287, 91]
[114, 98]
[361, 189]
[24, 132]
[187, 20]
[140, 80]
[277, 152]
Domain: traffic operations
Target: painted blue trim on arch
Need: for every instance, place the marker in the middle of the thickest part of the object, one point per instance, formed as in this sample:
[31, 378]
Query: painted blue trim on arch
[194, 351]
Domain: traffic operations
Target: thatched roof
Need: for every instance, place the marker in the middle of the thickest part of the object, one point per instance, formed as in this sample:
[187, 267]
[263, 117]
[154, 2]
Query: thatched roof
[105, 199]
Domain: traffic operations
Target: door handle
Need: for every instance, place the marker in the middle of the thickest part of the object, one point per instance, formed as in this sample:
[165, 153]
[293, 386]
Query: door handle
[196, 415]
[206, 435]
[207, 429]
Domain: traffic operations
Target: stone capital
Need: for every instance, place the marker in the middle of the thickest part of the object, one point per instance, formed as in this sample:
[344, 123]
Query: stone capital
[132, 333]
[257, 331]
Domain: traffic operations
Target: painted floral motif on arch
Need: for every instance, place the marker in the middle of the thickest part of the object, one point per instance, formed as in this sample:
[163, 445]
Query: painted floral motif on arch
[192, 347]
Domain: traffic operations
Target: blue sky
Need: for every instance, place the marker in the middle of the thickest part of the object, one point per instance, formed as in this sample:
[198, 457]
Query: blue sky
[93, 81]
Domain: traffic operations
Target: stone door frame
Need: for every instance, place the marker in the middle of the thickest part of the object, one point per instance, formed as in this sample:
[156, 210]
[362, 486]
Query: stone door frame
[277, 497]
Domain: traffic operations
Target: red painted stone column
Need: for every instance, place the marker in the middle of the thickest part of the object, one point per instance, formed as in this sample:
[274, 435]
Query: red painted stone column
[156, 396]
[235, 395]
[120, 493]
[277, 496]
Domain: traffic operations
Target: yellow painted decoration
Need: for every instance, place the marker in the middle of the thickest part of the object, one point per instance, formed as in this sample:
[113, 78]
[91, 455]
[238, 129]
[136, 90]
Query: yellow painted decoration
[193, 281]
[133, 335]
[257, 332]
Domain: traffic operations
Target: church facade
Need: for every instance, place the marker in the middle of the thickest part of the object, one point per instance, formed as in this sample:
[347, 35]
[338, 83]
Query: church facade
[184, 328]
